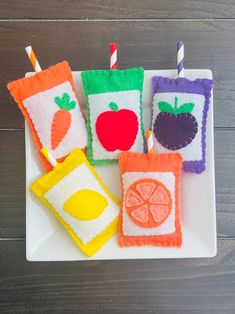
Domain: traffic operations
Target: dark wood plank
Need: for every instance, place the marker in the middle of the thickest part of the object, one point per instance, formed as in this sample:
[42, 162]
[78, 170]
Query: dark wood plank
[209, 44]
[137, 286]
[111, 9]
[12, 183]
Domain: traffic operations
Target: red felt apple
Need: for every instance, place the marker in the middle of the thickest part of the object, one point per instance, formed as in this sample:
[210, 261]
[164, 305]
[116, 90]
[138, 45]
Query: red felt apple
[117, 129]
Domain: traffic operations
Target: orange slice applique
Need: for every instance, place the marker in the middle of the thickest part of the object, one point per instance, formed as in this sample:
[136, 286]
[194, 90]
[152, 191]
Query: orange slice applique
[145, 189]
[141, 213]
[159, 213]
[133, 199]
[160, 196]
[148, 203]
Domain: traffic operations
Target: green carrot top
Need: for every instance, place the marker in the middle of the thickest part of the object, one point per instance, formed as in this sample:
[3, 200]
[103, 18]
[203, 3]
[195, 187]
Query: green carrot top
[64, 102]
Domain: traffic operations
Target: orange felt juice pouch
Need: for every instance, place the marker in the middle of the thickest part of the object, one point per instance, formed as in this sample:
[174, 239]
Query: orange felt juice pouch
[150, 210]
[50, 106]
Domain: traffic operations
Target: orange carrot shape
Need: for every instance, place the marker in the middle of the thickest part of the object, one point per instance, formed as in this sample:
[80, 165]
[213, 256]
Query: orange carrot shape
[62, 119]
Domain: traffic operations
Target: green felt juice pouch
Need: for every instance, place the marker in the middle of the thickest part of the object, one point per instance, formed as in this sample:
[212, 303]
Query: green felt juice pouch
[114, 113]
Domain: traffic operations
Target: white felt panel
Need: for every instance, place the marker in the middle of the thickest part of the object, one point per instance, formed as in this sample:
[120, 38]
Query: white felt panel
[77, 180]
[42, 107]
[168, 226]
[193, 151]
[99, 103]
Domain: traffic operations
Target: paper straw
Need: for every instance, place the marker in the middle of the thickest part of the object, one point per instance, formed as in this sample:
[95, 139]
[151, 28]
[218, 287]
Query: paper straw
[149, 137]
[33, 59]
[113, 56]
[180, 58]
[49, 156]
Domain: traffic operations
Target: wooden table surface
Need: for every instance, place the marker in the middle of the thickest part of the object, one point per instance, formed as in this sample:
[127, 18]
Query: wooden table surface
[147, 31]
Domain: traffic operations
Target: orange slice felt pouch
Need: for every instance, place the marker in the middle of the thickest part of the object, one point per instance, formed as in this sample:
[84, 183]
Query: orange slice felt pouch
[150, 210]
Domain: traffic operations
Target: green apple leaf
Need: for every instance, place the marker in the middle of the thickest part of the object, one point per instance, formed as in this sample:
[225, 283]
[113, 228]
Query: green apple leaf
[113, 106]
[166, 107]
[186, 108]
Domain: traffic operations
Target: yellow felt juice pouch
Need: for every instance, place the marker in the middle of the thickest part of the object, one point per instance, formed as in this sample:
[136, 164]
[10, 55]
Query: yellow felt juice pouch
[80, 201]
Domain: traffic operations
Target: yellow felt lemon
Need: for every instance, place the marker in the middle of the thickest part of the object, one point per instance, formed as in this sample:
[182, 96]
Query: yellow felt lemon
[85, 204]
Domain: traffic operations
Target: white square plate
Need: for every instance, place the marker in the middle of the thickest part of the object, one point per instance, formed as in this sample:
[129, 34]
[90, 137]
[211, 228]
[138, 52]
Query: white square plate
[47, 240]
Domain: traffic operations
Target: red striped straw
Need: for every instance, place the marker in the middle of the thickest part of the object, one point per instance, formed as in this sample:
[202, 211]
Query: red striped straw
[113, 56]
[33, 59]
[149, 137]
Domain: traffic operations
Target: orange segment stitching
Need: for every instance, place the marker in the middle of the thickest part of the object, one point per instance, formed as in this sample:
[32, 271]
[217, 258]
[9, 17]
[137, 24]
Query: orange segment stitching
[134, 162]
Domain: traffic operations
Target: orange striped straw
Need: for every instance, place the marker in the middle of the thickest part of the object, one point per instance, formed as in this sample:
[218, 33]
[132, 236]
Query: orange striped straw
[149, 136]
[33, 59]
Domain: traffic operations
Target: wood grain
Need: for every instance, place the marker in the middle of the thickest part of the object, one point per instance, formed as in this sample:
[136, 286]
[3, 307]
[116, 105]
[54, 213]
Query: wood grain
[12, 184]
[12, 188]
[209, 44]
[138, 286]
[110, 9]
[147, 32]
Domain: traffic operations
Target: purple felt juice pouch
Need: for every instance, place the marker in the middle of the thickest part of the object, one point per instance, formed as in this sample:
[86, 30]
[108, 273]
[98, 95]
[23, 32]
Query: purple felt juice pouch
[179, 117]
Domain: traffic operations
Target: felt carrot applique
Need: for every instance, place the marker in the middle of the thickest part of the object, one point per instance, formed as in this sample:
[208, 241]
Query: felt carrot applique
[62, 119]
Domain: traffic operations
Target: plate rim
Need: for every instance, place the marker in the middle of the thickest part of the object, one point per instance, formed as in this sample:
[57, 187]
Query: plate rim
[213, 250]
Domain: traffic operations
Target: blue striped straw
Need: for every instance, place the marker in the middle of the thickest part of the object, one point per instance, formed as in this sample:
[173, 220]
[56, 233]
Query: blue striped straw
[180, 58]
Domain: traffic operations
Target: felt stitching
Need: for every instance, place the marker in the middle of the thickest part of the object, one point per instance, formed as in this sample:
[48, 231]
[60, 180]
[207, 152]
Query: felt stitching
[41, 81]
[114, 80]
[160, 195]
[86, 204]
[140, 214]
[159, 213]
[173, 121]
[41, 108]
[133, 199]
[186, 141]
[145, 189]
[43, 185]
[132, 162]
[61, 120]
[123, 80]
[201, 87]
[129, 227]
[191, 151]
[59, 127]
[78, 181]
[100, 103]
[104, 124]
